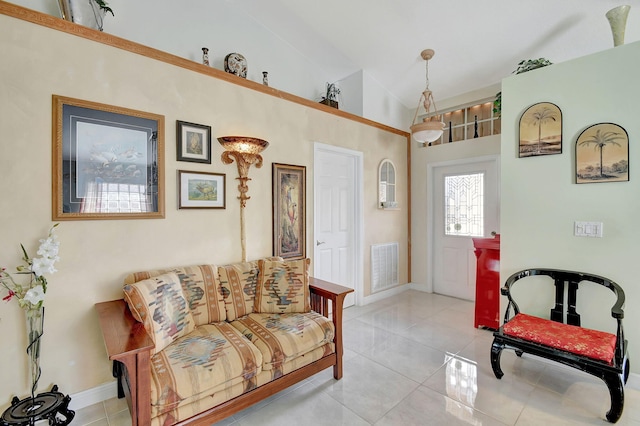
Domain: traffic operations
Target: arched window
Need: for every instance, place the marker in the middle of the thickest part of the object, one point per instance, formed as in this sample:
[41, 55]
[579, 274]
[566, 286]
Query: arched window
[387, 185]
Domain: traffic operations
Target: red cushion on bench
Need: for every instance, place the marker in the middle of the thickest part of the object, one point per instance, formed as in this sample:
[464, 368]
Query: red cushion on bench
[592, 344]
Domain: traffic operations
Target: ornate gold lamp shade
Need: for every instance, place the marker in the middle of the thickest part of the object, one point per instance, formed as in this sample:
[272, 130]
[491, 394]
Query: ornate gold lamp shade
[245, 151]
[431, 127]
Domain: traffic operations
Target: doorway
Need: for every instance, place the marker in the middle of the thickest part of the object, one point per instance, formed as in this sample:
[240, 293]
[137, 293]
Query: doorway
[464, 203]
[338, 190]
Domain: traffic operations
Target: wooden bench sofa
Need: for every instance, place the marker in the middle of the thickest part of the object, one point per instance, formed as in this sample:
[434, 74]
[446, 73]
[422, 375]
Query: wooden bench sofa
[561, 338]
[138, 368]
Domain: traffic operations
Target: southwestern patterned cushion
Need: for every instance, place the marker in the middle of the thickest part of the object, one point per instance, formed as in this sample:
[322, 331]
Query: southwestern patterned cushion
[201, 287]
[207, 362]
[160, 305]
[283, 337]
[165, 415]
[593, 344]
[238, 283]
[283, 286]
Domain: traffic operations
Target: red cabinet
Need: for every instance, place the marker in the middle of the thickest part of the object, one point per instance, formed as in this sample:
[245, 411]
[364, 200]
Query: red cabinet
[487, 312]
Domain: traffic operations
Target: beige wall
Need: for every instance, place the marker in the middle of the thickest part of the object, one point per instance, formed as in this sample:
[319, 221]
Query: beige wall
[540, 200]
[38, 62]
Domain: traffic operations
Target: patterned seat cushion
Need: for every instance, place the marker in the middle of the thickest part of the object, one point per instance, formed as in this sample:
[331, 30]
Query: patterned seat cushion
[210, 359]
[201, 288]
[193, 407]
[593, 344]
[283, 337]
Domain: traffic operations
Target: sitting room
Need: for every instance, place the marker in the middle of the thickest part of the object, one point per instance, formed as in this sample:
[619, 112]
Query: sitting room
[154, 153]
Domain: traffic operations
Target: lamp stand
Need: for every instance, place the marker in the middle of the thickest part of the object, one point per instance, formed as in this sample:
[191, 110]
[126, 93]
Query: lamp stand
[243, 160]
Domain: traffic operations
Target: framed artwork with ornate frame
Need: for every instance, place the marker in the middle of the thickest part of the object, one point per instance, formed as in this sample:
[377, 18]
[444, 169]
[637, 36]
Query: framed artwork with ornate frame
[193, 142]
[540, 130]
[602, 154]
[108, 162]
[201, 190]
[289, 210]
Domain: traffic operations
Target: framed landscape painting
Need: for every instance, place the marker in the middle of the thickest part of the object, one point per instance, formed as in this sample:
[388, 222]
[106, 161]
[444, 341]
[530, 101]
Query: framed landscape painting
[108, 162]
[289, 222]
[540, 130]
[201, 190]
[602, 154]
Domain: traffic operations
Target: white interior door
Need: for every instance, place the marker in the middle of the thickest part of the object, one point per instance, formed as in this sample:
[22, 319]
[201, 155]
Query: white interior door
[336, 209]
[465, 199]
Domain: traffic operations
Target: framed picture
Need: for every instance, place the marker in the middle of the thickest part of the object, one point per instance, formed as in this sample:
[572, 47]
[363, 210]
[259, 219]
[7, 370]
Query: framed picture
[289, 209]
[201, 190]
[541, 130]
[602, 154]
[108, 162]
[193, 142]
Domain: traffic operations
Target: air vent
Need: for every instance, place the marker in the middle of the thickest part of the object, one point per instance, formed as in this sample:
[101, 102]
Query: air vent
[384, 266]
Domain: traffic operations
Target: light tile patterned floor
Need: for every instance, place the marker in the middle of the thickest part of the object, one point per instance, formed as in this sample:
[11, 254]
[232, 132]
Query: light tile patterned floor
[415, 359]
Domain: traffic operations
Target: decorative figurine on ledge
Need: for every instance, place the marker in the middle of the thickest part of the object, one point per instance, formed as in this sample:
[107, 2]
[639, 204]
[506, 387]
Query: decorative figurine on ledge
[331, 95]
[236, 64]
[205, 56]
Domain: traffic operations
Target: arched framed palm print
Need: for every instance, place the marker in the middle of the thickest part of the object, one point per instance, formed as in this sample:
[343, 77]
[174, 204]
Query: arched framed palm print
[540, 130]
[602, 154]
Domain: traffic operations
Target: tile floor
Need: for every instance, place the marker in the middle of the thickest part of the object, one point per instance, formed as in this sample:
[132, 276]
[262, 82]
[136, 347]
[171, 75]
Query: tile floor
[415, 359]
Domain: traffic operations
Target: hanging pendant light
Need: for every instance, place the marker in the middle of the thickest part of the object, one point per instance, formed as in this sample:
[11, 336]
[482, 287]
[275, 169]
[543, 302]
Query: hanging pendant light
[431, 127]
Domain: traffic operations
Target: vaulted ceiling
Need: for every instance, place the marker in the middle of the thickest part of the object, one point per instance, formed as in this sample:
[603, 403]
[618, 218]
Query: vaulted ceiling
[477, 42]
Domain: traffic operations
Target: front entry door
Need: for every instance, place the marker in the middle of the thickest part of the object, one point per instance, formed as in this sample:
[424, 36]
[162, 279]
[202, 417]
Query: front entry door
[466, 205]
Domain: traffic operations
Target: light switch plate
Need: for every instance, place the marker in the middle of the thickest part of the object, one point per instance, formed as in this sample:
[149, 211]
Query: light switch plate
[588, 229]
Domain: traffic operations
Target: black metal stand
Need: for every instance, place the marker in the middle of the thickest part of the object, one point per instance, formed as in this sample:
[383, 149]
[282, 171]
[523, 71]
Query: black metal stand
[51, 406]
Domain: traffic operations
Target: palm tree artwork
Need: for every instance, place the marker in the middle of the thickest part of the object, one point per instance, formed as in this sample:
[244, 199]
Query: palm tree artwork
[609, 158]
[540, 117]
[541, 130]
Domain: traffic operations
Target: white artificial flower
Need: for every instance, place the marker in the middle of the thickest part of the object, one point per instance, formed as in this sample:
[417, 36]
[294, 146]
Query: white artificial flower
[35, 295]
[43, 265]
[49, 247]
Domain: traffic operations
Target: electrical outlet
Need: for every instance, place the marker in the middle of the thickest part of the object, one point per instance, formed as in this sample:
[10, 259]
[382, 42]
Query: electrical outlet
[587, 229]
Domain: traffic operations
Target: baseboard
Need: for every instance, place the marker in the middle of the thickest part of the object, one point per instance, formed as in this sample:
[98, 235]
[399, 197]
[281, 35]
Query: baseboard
[420, 287]
[94, 395]
[376, 297]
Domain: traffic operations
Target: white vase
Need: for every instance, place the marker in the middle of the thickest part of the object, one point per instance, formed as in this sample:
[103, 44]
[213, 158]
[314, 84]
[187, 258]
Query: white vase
[618, 21]
[83, 12]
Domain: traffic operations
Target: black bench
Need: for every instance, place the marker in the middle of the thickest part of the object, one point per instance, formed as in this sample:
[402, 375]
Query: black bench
[523, 338]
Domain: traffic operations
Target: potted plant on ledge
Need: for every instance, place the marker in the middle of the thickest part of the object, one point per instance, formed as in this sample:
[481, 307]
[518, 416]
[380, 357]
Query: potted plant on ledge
[523, 66]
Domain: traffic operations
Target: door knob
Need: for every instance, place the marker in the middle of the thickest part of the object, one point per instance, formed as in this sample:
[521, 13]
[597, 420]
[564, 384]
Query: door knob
[319, 242]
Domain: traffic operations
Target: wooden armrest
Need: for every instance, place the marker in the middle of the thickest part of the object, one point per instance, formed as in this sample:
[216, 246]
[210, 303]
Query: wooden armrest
[128, 343]
[321, 292]
[123, 335]
[327, 289]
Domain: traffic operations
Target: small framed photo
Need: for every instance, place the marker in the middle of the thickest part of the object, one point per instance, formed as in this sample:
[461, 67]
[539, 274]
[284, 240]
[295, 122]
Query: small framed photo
[201, 190]
[193, 142]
